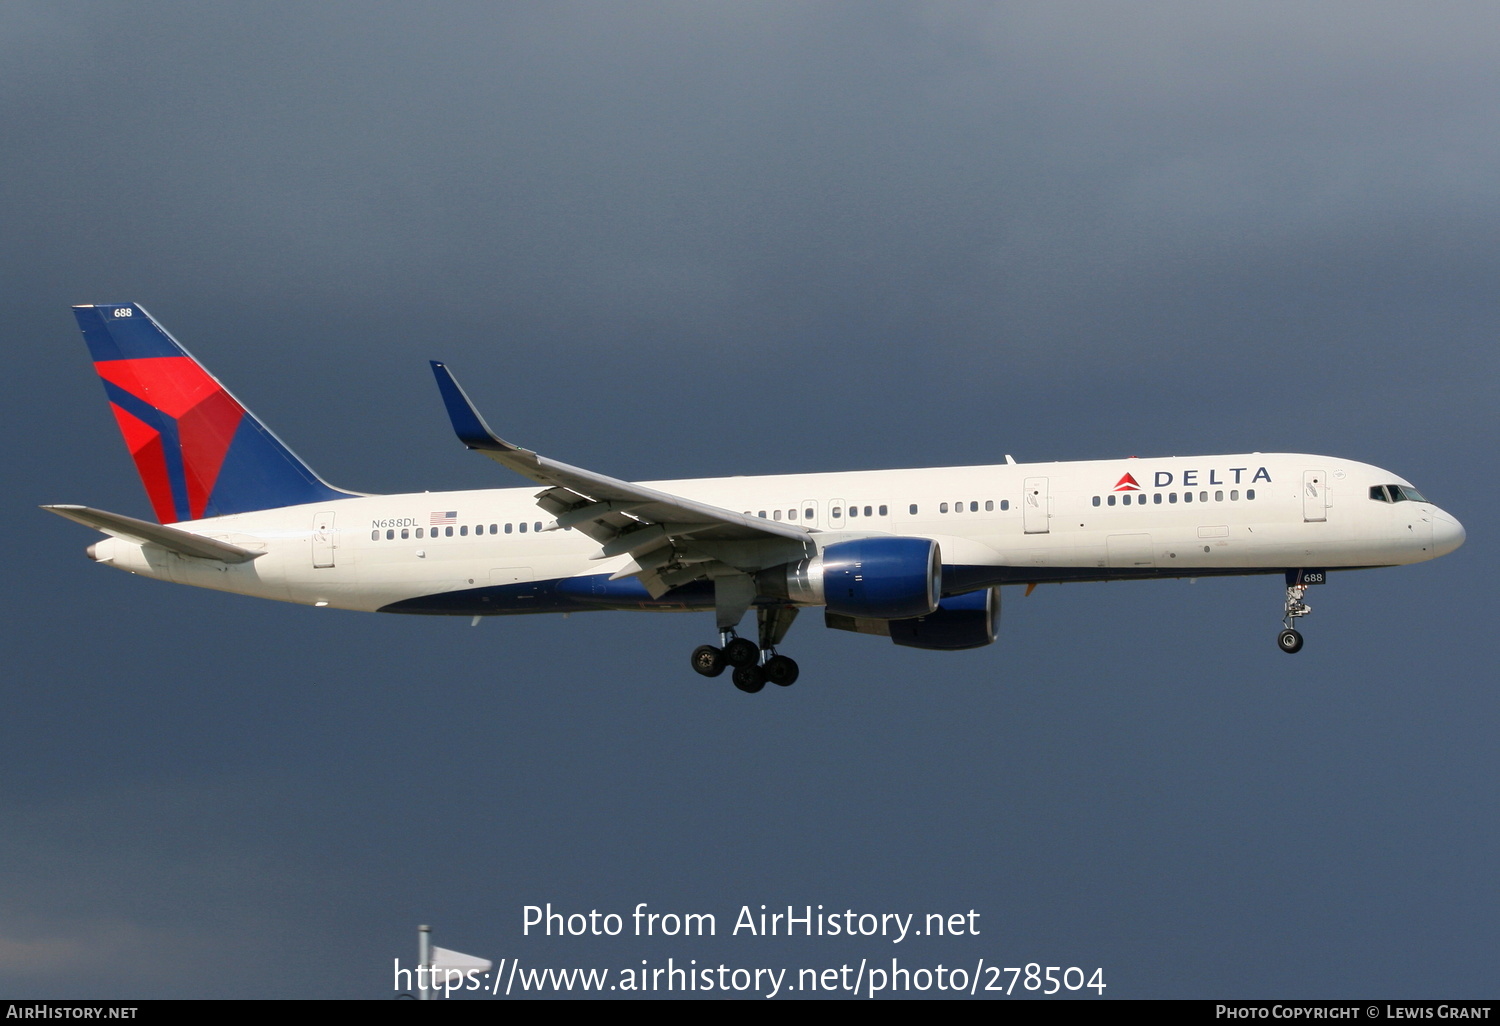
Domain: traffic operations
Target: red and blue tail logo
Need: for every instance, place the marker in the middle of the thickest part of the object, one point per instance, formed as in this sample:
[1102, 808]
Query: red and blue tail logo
[199, 452]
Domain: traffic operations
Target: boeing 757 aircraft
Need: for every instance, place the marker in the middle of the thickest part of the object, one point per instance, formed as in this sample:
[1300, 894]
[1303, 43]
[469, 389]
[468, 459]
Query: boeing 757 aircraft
[917, 556]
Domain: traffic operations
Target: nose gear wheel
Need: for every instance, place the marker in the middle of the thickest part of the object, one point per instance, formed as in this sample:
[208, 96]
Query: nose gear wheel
[1290, 639]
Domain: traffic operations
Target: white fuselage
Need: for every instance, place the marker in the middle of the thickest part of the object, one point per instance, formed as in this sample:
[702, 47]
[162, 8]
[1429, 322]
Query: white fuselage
[1009, 523]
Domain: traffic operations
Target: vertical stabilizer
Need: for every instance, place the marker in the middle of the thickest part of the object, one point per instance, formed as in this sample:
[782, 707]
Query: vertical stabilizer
[199, 452]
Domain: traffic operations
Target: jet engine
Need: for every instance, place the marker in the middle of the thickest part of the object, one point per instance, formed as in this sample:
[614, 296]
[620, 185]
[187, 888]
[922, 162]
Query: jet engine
[961, 621]
[884, 578]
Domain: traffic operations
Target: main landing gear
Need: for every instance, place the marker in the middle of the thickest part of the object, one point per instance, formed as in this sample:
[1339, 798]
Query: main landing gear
[1290, 639]
[754, 665]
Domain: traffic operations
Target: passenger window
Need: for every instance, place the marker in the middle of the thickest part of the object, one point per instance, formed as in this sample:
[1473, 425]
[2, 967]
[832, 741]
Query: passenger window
[1187, 496]
[883, 511]
[776, 515]
[463, 530]
[374, 535]
[762, 514]
[943, 507]
[989, 505]
[389, 535]
[1110, 500]
[1234, 495]
[854, 511]
[1156, 498]
[507, 528]
[1202, 496]
[791, 514]
[1125, 498]
[807, 514]
[912, 509]
[494, 529]
[973, 507]
[836, 512]
[405, 534]
[523, 528]
[1249, 493]
[1218, 496]
[1171, 497]
[1005, 504]
[448, 532]
[419, 532]
[1096, 500]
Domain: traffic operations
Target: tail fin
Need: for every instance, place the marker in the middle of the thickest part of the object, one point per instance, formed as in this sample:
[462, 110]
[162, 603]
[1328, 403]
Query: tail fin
[199, 452]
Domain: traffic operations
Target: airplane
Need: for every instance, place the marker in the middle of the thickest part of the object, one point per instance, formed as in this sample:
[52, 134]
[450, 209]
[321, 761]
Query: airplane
[918, 556]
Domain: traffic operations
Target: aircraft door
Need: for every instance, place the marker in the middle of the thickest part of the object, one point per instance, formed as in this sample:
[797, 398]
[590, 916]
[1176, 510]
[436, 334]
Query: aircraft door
[836, 514]
[809, 512]
[322, 540]
[1034, 506]
[1314, 496]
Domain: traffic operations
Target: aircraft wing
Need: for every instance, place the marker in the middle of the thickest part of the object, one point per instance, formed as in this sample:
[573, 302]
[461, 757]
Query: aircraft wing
[670, 539]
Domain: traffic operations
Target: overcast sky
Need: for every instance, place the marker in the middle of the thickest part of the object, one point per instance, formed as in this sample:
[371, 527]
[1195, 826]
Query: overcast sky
[668, 240]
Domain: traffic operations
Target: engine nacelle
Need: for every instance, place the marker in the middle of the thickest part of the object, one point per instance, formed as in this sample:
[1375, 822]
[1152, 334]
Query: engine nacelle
[884, 578]
[961, 621]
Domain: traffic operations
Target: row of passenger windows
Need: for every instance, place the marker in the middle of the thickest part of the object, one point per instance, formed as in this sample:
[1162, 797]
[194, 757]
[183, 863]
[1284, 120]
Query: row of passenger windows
[1398, 493]
[958, 507]
[835, 512]
[810, 513]
[447, 532]
[791, 514]
[1156, 497]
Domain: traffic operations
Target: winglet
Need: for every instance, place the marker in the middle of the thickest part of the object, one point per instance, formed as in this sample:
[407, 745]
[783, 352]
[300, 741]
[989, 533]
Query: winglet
[467, 423]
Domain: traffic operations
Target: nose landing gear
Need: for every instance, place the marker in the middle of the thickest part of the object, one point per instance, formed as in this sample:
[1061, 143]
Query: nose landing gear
[1290, 639]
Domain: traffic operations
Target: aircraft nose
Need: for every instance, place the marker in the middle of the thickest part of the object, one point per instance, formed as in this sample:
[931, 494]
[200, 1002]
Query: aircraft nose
[1447, 533]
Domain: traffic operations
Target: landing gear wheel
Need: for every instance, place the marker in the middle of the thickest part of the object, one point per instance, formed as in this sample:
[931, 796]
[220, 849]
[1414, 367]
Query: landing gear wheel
[749, 679]
[708, 660]
[1290, 640]
[781, 671]
[741, 652]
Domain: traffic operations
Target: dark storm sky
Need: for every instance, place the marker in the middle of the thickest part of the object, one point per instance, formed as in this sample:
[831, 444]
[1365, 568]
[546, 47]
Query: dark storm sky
[681, 239]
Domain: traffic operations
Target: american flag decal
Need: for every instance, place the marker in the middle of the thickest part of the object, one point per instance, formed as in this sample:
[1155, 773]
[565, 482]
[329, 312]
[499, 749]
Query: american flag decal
[450, 517]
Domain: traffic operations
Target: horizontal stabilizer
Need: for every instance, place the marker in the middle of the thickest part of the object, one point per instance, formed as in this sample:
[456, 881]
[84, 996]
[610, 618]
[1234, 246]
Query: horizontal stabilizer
[173, 539]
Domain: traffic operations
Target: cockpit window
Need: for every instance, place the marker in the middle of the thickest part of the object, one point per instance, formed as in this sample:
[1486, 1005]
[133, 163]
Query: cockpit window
[1396, 493]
